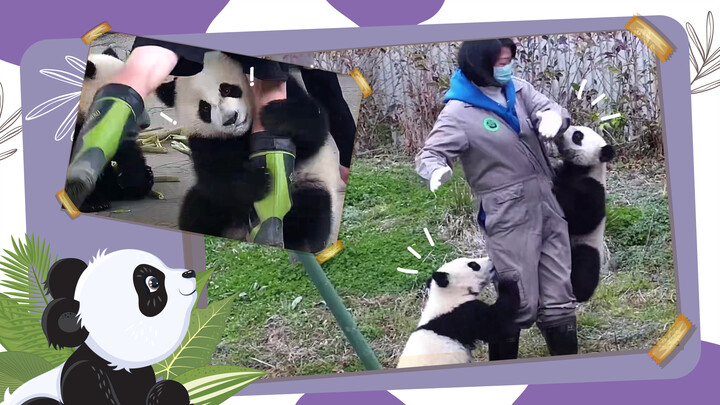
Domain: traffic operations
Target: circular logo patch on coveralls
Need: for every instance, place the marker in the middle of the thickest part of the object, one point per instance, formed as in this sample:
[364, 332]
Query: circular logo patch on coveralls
[491, 124]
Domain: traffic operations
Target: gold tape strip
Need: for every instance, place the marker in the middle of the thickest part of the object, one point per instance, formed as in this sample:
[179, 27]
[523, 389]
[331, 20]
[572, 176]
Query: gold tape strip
[67, 203]
[360, 80]
[671, 339]
[328, 253]
[95, 32]
[650, 37]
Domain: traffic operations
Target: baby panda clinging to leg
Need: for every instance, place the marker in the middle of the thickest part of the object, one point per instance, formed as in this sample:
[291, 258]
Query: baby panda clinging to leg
[454, 320]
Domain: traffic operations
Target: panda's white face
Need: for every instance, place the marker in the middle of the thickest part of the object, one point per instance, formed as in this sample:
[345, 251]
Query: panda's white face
[99, 70]
[464, 276]
[136, 309]
[217, 101]
[583, 147]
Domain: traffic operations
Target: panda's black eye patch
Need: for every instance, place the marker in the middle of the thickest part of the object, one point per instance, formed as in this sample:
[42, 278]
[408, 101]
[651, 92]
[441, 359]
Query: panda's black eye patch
[90, 70]
[474, 266]
[577, 138]
[149, 285]
[230, 90]
[204, 110]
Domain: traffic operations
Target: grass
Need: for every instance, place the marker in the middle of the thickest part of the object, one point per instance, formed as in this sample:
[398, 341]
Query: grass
[386, 208]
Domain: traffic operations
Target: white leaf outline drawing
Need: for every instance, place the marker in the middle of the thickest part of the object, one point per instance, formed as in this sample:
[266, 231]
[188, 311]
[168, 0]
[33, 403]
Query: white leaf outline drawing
[46, 107]
[6, 126]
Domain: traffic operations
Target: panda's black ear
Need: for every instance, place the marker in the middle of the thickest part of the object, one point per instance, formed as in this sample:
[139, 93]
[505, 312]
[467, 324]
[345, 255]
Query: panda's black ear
[63, 277]
[90, 70]
[61, 324]
[110, 52]
[441, 279]
[607, 153]
[166, 93]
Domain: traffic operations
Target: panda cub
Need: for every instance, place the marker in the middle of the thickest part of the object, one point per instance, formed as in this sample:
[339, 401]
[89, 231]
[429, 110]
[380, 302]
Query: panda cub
[123, 312]
[216, 106]
[454, 320]
[579, 187]
[127, 176]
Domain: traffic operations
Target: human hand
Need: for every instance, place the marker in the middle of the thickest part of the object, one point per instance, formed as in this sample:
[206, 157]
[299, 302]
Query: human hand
[550, 123]
[438, 177]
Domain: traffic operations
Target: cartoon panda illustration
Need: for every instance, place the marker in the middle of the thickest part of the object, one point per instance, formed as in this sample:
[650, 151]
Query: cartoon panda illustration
[216, 106]
[123, 312]
[579, 187]
[127, 176]
[454, 320]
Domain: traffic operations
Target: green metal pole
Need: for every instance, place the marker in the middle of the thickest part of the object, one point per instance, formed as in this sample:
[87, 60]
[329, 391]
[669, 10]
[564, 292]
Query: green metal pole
[341, 314]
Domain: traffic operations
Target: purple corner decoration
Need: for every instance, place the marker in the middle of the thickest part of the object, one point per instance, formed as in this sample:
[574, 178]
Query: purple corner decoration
[350, 398]
[692, 388]
[383, 12]
[27, 22]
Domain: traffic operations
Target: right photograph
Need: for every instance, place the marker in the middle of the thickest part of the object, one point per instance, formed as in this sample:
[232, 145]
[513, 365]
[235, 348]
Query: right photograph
[507, 200]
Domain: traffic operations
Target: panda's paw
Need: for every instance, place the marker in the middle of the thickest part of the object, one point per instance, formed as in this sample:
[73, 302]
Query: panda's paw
[168, 392]
[149, 178]
[95, 204]
[509, 295]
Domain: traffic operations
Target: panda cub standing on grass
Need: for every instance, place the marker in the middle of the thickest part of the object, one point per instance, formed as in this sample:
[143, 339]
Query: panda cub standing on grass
[127, 176]
[579, 187]
[454, 320]
[123, 312]
[216, 106]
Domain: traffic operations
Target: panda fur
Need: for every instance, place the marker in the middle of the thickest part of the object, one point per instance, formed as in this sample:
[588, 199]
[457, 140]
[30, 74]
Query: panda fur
[127, 176]
[221, 201]
[579, 187]
[118, 332]
[454, 320]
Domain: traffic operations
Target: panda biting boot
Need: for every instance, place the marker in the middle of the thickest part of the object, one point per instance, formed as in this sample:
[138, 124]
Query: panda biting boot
[561, 336]
[116, 114]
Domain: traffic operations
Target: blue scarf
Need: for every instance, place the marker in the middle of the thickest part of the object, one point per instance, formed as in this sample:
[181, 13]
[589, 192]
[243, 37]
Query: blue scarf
[462, 89]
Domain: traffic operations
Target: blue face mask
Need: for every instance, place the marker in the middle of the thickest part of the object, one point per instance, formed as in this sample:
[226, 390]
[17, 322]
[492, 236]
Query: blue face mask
[503, 74]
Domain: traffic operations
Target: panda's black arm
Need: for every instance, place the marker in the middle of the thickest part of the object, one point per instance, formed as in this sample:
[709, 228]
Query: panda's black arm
[87, 382]
[499, 317]
[298, 117]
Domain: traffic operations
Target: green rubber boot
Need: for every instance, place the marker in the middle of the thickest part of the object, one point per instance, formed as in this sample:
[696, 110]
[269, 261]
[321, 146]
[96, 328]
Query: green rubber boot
[116, 114]
[276, 154]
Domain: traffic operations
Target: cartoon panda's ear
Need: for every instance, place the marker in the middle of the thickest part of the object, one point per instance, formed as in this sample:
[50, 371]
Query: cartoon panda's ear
[166, 93]
[90, 70]
[110, 52]
[441, 279]
[607, 153]
[61, 324]
[63, 277]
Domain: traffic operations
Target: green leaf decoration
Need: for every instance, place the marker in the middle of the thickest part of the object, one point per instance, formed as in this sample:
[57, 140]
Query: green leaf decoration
[21, 331]
[22, 307]
[212, 385]
[17, 368]
[27, 270]
[201, 280]
[204, 334]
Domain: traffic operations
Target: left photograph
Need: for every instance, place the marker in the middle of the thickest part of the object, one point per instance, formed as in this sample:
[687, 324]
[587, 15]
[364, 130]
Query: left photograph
[213, 143]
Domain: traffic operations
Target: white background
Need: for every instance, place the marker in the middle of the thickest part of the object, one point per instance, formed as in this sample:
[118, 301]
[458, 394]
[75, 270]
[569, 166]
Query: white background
[247, 15]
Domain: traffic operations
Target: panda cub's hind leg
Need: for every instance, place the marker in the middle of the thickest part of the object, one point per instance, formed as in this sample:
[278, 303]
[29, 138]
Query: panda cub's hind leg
[585, 272]
[307, 226]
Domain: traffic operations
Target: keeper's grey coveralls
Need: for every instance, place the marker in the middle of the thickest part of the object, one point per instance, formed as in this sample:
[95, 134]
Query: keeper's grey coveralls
[511, 179]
